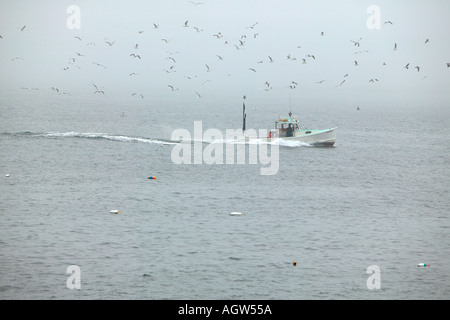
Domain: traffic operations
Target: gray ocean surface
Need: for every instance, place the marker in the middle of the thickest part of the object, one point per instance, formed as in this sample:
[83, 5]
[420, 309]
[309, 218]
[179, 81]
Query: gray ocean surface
[379, 197]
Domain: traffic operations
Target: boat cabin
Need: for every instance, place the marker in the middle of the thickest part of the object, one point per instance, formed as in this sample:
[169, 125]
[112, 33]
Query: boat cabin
[285, 127]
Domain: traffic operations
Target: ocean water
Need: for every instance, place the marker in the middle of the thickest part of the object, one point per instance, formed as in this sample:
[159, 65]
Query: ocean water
[379, 197]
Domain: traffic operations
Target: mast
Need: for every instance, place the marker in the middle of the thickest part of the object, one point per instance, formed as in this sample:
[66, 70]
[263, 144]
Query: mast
[244, 116]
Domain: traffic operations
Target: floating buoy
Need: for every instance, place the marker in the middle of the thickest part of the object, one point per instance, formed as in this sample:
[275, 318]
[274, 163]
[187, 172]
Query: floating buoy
[237, 214]
[294, 263]
[152, 178]
[7, 175]
[423, 265]
[115, 211]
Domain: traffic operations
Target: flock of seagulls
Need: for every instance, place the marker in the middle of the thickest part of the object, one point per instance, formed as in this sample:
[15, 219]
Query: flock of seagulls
[238, 43]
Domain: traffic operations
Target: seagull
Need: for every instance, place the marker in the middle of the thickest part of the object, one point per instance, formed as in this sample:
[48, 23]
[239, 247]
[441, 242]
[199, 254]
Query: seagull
[55, 89]
[390, 22]
[372, 80]
[186, 23]
[22, 28]
[171, 87]
[17, 58]
[134, 74]
[110, 43]
[165, 40]
[356, 43]
[242, 42]
[293, 82]
[198, 95]
[252, 69]
[271, 60]
[99, 91]
[207, 68]
[304, 61]
[356, 63]
[141, 31]
[136, 46]
[407, 66]
[138, 94]
[171, 59]
[78, 38]
[322, 34]
[418, 68]
[320, 81]
[357, 108]
[197, 29]
[253, 25]
[428, 40]
[135, 55]
[79, 54]
[155, 26]
[99, 64]
[342, 83]
[346, 75]
[220, 57]
[395, 46]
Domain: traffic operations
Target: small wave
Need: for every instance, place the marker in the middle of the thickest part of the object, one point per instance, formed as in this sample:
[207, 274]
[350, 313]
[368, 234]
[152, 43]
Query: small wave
[89, 135]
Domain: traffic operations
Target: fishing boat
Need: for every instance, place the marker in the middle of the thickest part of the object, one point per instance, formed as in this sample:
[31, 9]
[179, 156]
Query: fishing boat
[289, 129]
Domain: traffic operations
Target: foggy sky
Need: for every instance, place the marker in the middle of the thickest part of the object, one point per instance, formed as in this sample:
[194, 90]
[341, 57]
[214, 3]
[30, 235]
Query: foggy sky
[267, 28]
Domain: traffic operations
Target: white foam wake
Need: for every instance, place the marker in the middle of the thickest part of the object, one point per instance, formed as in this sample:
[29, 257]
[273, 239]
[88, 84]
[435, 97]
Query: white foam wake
[91, 135]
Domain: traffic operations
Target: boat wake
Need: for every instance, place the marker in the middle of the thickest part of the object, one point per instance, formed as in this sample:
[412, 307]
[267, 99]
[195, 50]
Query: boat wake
[124, 138]
[92, 135]
[281, 142]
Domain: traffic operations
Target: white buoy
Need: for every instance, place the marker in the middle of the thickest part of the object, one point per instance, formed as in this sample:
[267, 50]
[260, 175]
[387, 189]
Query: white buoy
[7, 175]
[237, 214]
[115, 211]
[423, 265]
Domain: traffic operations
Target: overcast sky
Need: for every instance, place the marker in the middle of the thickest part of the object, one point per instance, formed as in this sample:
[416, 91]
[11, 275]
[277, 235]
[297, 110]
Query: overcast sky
[45, 53]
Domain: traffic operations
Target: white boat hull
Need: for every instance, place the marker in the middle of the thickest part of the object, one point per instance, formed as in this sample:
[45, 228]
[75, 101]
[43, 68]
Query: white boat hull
[325, 137]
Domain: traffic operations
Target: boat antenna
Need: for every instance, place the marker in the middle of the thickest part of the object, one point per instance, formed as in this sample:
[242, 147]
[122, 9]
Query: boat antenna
[290, 111]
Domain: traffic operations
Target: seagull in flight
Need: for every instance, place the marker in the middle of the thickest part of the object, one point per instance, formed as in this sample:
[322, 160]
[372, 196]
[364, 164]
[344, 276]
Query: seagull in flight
[356, 43]
[138, 94]
[356, 63]
[110, 43]
[171, 87]
[386, 22]
[320, 81]
[208, 69]
[134, 74]
[252, 69]
[271, 60]
[78, 38]
[165, 40]
[426, 41]
[418, 68]
[135, 55]
[186, 24]
[220, 57]
[17, 58]
[395, 46]
[407, 66]
[155, 26]
[21, 28]
[198, 95]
